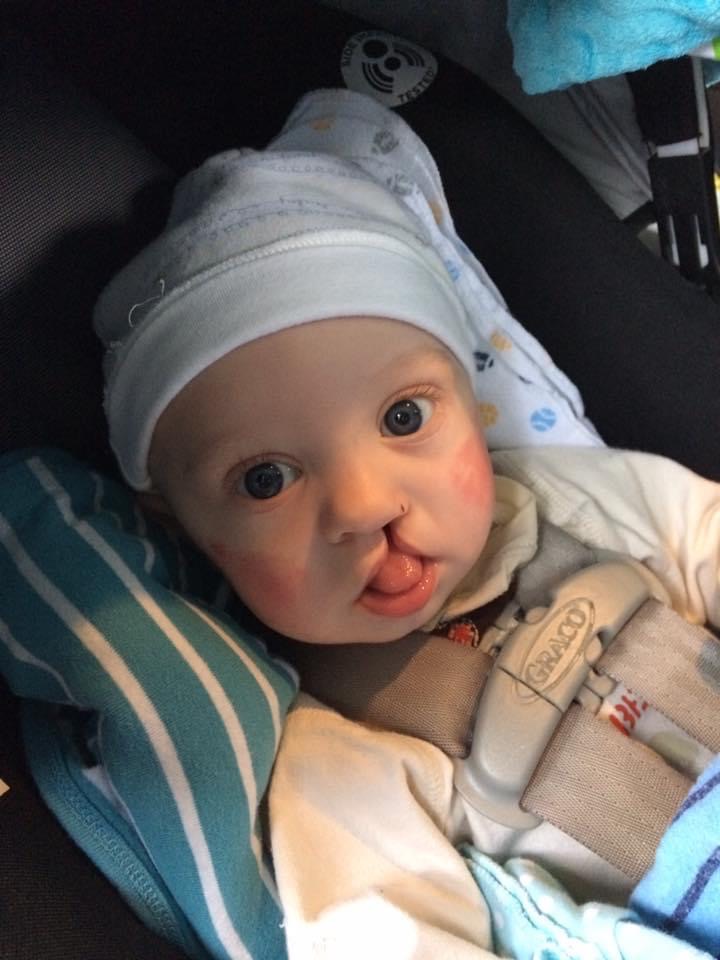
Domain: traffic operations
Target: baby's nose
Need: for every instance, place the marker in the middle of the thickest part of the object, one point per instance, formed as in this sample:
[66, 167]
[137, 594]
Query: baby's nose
[360, 500]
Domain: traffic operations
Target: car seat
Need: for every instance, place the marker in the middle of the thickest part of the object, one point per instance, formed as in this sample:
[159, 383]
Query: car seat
[101, 107]
[607, 127]
[671, 105]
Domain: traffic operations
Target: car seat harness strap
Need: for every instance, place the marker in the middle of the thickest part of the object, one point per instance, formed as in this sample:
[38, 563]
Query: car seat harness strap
[607, 791]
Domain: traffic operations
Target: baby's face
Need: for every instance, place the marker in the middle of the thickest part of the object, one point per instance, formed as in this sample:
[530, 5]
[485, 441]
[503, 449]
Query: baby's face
[336, 473]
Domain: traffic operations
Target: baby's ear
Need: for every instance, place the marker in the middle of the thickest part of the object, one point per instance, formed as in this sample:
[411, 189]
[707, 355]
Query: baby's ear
[156, 506]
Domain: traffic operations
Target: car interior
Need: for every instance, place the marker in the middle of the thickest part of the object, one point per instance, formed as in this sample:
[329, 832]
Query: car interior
[103, 106]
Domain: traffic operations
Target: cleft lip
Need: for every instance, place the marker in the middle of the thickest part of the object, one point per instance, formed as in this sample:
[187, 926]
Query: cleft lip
[404, 603]
[401, 545]
[375, 569]
[395, 543]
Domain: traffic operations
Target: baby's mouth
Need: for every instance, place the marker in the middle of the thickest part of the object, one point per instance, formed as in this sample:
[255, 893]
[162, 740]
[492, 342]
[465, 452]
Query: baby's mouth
[401, 586]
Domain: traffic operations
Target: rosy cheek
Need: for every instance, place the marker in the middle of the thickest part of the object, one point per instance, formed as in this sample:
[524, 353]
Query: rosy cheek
[260, 580]
[470, 474]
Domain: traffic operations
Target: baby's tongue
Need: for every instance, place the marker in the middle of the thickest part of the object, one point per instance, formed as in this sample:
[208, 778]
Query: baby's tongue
[399, 572]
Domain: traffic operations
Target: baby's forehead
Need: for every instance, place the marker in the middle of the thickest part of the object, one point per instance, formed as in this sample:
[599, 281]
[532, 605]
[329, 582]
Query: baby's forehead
[296, 377]
[350, 346]
[315, 360]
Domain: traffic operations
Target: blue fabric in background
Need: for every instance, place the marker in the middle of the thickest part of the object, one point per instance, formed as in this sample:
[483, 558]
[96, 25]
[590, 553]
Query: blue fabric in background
[680, 894]
[561, 42]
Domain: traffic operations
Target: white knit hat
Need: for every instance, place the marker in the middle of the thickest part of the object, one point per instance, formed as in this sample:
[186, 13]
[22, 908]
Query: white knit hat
[257, 242]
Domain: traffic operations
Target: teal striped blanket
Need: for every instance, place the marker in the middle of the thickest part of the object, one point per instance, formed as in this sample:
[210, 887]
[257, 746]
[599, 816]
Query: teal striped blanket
[151, 719]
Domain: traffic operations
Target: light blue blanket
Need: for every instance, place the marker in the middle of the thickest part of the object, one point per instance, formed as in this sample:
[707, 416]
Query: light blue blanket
[561, 42]
[533, 918]
[681, 893]
[674, 912]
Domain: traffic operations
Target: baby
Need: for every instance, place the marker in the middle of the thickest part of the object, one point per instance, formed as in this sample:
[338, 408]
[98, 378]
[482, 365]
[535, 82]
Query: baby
[292, 373]
[291, 366]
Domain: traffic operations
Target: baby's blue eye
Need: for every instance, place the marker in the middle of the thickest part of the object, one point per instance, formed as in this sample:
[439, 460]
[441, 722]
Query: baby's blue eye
[407, 416]
[266, 480]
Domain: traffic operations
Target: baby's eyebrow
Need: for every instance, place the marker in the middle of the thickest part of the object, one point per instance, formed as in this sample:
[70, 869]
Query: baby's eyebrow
[217, 456]
[420, 355]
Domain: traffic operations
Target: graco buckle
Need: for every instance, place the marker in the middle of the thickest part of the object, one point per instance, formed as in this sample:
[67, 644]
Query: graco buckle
[544, 663]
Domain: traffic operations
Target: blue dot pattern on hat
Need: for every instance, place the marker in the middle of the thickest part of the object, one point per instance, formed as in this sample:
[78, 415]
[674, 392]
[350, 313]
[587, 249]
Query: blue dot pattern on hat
[543, 419]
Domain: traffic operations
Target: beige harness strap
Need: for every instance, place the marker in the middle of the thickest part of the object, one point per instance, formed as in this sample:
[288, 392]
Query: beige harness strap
[609, 792]
[423, 685]
[672, 664]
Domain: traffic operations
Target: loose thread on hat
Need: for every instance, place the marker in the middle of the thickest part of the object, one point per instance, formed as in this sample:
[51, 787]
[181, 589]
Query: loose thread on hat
[143, 303]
